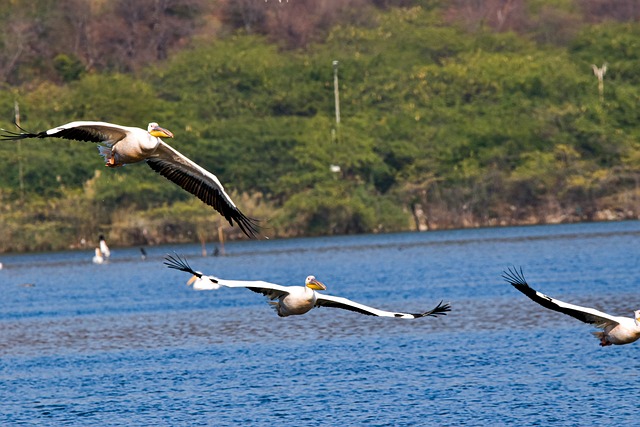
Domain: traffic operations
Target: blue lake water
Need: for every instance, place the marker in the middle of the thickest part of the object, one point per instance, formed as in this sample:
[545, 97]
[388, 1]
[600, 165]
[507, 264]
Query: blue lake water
[128, 343]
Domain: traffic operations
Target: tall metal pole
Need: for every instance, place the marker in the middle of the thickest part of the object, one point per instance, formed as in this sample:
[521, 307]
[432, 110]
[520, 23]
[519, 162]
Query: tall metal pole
[336, 92]
[16, 111]
[334, 132]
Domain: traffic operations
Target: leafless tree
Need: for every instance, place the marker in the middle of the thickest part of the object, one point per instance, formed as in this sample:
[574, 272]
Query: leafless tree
[619, 10]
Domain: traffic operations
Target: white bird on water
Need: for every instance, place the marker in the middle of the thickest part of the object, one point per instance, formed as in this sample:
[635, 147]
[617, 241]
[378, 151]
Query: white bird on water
[296, 300]
[104, 248]
[121, 145]
[98, 258]
[615, 329]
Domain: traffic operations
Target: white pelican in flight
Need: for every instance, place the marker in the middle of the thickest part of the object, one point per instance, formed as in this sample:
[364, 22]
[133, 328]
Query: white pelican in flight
[295, 300]
[121, 145]
[615, 329]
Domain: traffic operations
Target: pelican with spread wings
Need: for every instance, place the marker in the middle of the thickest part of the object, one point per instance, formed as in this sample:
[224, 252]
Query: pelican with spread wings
[295, 300]
[615, 329]
[121, 145]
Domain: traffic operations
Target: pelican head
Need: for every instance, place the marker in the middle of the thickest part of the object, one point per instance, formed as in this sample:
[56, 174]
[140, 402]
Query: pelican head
[155, 130]
[312, 283]
[636, 314]
[193, 279]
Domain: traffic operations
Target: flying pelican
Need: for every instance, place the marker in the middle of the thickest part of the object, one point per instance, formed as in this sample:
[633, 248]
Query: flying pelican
[295, 300]
[615, 329]
[121, 145]
[104, 248]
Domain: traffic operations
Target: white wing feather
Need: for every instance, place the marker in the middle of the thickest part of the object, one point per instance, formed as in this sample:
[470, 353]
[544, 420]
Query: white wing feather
[341, 302]
[587, 314]
[271, 290]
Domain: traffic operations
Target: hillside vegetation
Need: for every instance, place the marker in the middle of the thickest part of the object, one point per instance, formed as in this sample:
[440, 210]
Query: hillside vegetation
[451, 116]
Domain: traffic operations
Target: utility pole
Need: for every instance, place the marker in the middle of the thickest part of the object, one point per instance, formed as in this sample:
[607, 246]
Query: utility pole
[16, 111]
[335, 169]
[336, 94]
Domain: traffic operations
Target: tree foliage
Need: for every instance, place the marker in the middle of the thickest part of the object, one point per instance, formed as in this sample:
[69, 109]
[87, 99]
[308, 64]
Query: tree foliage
[476, 124]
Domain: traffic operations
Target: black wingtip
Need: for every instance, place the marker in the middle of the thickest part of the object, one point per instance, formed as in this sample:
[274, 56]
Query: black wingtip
[515, 277]
[179, 263]
[23, 129]
[9, 135]
[249, 226]
[440, 310]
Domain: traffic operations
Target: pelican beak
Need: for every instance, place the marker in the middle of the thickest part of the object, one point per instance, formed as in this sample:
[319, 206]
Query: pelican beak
[161, 132]
[317, 285]
[193, 279]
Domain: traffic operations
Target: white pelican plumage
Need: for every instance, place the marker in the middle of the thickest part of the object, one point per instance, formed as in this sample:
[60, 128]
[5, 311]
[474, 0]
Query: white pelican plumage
[121, 145]
[296, 300]
[98, 258]
[615, 329]
[104, 248]
[203, 283]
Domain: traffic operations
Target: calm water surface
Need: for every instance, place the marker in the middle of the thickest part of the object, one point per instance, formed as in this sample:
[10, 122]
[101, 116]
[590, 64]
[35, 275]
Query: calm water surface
[128, 343]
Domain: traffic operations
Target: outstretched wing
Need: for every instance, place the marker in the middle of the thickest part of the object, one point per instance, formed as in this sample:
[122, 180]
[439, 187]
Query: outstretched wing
[584, 314]
[99, 132]
[170, 163]
[346, 304]
[270, 290]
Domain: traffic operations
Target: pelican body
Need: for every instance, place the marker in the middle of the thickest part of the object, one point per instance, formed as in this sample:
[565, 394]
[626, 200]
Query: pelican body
[121, 145]
[299, 299]
[296, 300]
[200, 282]
[616, 330]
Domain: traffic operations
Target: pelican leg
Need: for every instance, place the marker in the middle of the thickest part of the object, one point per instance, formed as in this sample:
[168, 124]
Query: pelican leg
[111, 161]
